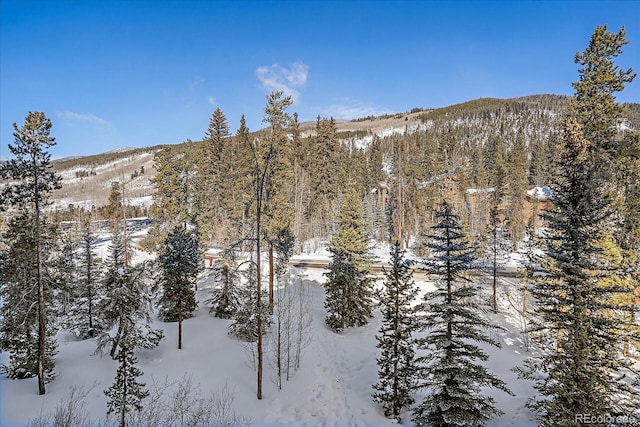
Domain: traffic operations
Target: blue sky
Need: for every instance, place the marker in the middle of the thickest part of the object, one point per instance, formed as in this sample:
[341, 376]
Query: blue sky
[112, 74]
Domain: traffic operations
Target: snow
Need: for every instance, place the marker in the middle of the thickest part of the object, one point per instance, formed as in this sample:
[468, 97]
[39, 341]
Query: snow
[541, 193]
[332, 388]
[480, 190]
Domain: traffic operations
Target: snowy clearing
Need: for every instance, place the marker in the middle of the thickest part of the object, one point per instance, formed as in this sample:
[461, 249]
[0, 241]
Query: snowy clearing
[333, 386]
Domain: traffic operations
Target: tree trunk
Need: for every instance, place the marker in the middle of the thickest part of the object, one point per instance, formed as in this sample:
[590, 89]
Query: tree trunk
[116, 340]
[42, 331]
[495, 274]
[270, 278]
[626, 348]
[180, 331]
[41, 316]
[259, 288]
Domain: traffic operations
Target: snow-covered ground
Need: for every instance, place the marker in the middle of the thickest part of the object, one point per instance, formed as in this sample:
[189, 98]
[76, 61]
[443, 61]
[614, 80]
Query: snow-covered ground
[332, 388]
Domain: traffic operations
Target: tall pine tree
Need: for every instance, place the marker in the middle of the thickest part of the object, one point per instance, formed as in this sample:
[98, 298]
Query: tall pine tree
[128, 300]
[581, 369]
[396, 364]
[348, 285]
[84, 318]
[180, 262]
[451, 370]
[32, 181]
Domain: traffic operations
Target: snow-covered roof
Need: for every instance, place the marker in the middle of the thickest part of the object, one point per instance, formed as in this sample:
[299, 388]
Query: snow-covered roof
[480, 190]
[541, 193]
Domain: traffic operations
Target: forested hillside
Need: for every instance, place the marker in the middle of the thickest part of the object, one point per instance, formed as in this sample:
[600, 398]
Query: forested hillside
[479, 153]
[457, 193]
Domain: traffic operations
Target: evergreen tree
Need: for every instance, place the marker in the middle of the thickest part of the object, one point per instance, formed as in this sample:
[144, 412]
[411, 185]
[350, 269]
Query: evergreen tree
[128, 300]
[174, 199]
[517, 171]
[225, 296]
[84, 319]
[62, 264]
[126, 393]
[180, 262]
[241, 182]
[19, 316]
[249, 312]
[115, 206]
[348, 285]
[497, 251]
[32, 180]
[451, 317]
[396, 367]
[581, 373]
[211, 177]
[266, 165]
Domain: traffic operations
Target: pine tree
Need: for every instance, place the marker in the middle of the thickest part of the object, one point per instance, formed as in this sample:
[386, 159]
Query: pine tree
[211, 178]
[115, 208]
[174, 199]
[180, 261]
[451, 370]
[348, 285]
[62, 264]
[266, 164]
[225, 296]
[245, 319]
[396, 367]
[518, 164]
[128, 300]
[497, 251]
[19, 317]
[84, 319]
[126, 393]
[32, 182]
[579, 373]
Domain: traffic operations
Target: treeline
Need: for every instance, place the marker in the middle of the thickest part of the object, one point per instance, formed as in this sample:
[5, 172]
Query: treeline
[100, 159]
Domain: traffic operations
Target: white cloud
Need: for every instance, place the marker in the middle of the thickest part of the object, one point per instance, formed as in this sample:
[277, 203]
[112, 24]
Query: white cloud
[276, 77]
[348, 109]
[70, 115]
[212, 101]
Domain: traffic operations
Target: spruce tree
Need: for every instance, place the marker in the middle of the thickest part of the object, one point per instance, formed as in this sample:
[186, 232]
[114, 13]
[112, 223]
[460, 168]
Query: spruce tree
[396, 364]
[266, 165]
[225, 296]
[518, 164]
[128, 300]
[84, 318]
[451, 371]
[180, 261]
[497, 251]
[19, 316]
[126, 393]
[174, 198]
[249, 312]
[211, 178]
[31, 183]
[580, 370]
[348, 285]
